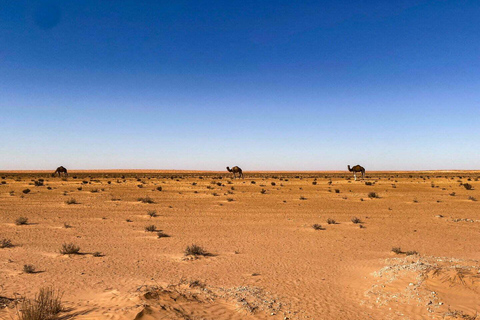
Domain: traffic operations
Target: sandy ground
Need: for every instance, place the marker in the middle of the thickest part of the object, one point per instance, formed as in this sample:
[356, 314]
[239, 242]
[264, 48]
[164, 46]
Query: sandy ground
[266, 260]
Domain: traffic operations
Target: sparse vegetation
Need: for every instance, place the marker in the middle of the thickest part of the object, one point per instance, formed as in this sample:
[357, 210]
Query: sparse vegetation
[71, 201]
[46, 305]
[150, 228]
[161, 234]
[28, 268]
[21, 221]
[356, 220]
[146, 199]
[152, 213]
[26, 191]
[195, 250]
[373, 195]
[316, 226]
[397, 250]
[97, 254]
[6, 243]
[468, 186]
[69, 248]
[331, 221]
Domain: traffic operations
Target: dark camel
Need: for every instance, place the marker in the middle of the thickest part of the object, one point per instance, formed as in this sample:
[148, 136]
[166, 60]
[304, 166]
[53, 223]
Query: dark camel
[60, 170]
[355, 169]
[235, 170]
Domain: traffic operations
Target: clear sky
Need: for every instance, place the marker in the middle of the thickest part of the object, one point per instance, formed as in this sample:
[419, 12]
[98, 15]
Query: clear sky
[265, 85]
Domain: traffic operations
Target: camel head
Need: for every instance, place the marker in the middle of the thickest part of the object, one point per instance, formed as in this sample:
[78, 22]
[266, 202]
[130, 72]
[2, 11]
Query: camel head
[349, 168]
[228, 169]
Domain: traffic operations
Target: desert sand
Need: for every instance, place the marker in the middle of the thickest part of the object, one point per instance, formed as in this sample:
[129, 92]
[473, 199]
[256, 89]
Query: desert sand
[265, 259]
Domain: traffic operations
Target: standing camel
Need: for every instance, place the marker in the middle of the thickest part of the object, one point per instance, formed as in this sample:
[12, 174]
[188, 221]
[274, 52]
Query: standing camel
[60, 170]
[235, 170]
[355, 169]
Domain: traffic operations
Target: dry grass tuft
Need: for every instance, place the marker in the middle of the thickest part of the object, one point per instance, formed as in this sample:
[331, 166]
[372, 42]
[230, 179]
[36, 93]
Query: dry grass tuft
[46, 305]
[195, 250]
[69, 248]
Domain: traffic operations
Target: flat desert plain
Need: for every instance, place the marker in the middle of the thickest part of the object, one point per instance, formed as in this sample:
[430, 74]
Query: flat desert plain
[397, 245]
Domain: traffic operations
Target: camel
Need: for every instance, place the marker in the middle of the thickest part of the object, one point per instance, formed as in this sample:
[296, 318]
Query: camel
[60, 170]
[355, 169]
[235, 170]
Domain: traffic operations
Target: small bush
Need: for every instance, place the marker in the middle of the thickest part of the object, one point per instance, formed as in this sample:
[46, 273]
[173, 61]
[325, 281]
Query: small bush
[150, 228]
[38, 183]
[368, 183]
[160, 188]
[472, 198]
[337, 190]
[21, 221]
[161, 234]
[303, 198]
[397, 250]
[411, 253]
[230, 199]
[66, 225]
[97, 254]
[146, 200]
[263, 191]
[468, 186]
[152, 213]
[195, 250]
[316, 226]
[69, 248]
[94, 190]
[46, 305]
[26, 191]
[373, 195]
[453, 194]
[273, 184]
[28, 268]
[356, 220]
[331, 221]
[314, 183]
[71, 201]
[6, 243]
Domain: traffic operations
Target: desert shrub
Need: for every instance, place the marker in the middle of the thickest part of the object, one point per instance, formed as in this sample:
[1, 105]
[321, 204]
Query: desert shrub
[152, 213]
[21, 221]
[215, 194]
[94, 190]
[28, 268]
[472, 198]
[69, 248]
[331, 221]
[147, 199]
[150, 228]
[195, 250]
[337, 190]
[468, 186]
[66, 225]
[373, 195]
[368, 183]
[71, 201]
[316, 226]
[161, 234]
[397, 250]
[411, 253]
[26, 191]
[314, 183]
[356, 220]
[453, 194]
[415, 201]
[160, 188]
[273, 184]
[263, 191]
[253, 182]
[6, 243]
[38, 183]
[46, 305]
[79, 188]
[230, 199]
[303, 198]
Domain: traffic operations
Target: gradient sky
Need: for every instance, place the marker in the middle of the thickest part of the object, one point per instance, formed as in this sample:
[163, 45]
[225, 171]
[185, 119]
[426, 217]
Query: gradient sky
[266, 85]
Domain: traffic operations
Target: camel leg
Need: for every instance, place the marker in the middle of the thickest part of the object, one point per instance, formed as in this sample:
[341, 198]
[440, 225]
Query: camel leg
[354, 176]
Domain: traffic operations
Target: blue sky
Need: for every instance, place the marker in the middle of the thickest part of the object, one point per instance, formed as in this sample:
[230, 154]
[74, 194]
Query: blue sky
[266, 85]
